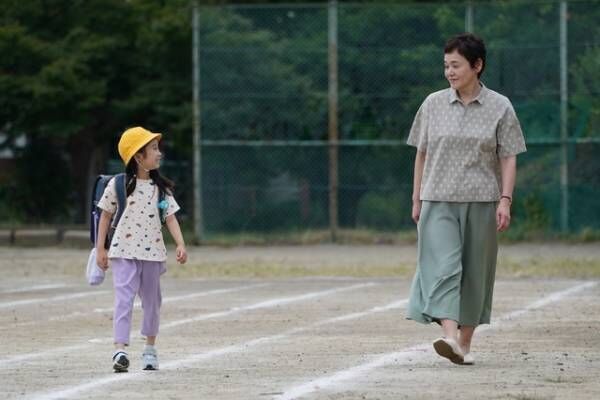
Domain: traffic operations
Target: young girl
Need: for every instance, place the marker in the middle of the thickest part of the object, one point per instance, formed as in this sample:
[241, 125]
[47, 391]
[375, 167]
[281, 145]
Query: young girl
[137, 252]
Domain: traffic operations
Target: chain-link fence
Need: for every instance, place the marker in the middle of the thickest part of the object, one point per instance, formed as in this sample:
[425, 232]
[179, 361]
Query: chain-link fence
[264, 95]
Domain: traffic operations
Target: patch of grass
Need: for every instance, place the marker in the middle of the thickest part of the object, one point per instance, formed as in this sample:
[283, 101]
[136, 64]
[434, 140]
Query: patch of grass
[305, 237]
[586, 235]
[507, 268]
[549, 268]
[562, 379]
[519, 234]
[535, 268]
[282, 270]
[370, 236]
[524, 396]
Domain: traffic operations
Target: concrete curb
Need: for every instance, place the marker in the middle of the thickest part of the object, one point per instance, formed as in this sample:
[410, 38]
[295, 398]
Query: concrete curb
[34, 237]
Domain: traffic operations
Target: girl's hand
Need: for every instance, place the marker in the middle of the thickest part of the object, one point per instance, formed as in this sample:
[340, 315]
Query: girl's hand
[102, 258]
[181, 254]
[503, 215]
[416, 211]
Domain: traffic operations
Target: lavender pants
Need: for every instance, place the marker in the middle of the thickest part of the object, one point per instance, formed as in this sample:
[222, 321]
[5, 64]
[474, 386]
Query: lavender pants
[131, 277]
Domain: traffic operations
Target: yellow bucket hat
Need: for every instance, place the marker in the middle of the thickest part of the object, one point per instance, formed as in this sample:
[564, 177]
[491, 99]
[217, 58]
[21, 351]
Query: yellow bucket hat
[133, 139]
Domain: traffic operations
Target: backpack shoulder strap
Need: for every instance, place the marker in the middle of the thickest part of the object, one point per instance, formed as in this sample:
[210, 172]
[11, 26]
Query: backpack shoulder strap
[97, 190]
[162, 207]
[121, 197]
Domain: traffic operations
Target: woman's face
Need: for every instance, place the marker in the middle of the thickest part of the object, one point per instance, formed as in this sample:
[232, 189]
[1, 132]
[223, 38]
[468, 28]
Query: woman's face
[150, 157]
[459, 72]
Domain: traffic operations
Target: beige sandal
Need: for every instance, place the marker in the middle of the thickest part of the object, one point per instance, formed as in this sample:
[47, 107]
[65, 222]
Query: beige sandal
[448, 348]
[468, 359]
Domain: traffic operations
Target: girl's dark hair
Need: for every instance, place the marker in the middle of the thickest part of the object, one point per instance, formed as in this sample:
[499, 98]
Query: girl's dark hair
[165, 185]
[470, 47]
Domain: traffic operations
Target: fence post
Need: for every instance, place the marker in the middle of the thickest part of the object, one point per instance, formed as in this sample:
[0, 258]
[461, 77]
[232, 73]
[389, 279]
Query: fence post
[564, 131]
[197, 162]
[469, 17]
[333, 118]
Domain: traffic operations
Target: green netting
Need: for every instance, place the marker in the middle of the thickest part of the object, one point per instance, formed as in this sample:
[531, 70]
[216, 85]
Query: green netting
[264, 74]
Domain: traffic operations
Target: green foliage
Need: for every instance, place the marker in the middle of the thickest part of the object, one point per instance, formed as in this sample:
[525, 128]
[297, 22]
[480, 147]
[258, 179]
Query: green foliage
[78, 73]
[8, 213]
[536, 216]
[384, 211]
[586, 82]
[74, 74]
[41, 192]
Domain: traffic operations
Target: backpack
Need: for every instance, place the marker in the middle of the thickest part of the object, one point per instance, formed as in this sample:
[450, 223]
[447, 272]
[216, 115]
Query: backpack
[97, 192]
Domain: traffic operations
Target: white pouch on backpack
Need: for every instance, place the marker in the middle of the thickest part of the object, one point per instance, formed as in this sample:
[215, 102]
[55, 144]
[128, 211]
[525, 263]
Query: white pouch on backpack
[93, 273]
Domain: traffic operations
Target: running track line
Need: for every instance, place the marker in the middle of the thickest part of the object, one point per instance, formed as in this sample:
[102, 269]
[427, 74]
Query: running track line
[136, 305]
[28, 356]
[263, 304]
[415, 352]
[173, 299]
[267, 304]
[239, 348]
[202, 317]
[34, 288]
[51, 299]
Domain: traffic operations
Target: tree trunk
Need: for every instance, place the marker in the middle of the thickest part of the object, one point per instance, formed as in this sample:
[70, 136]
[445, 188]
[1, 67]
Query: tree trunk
[86, 162]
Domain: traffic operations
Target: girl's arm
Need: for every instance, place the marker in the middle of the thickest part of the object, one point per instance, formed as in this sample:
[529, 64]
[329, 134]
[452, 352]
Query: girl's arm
[418, 175]
[101, 253]
[508, 170]
[175, 230]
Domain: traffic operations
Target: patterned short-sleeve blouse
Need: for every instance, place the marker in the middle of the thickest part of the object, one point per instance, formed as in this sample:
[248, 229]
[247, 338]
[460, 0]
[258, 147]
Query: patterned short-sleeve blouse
[464, 144]
[139, 233]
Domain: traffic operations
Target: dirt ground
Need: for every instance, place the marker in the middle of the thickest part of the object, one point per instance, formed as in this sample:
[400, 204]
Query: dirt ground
[327, 327]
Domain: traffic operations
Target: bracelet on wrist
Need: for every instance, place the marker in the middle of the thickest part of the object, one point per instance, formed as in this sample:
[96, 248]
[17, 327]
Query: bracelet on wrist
[506, 197]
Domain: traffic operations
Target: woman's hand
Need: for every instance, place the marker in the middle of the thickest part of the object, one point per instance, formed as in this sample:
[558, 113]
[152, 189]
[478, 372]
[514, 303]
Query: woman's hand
[102, 258]
[181, 254]
[503, 215]
[416, 197]
[416, 210]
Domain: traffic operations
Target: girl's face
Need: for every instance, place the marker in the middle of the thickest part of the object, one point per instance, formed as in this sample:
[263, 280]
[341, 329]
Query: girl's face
[459, 72]
[149, 158]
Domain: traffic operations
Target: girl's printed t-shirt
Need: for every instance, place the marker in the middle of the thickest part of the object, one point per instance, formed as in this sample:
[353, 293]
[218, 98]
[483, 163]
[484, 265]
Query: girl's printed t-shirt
[139, 233]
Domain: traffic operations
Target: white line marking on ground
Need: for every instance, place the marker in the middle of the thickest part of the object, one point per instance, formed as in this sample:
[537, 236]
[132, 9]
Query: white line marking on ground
[387, 307]
[264, 304]
[415, 351]
[172, 299]
[14, 360]
[137, 304]
[239, 348]
[22, 357]
[34, 288]
[202, 317]
[71, 296]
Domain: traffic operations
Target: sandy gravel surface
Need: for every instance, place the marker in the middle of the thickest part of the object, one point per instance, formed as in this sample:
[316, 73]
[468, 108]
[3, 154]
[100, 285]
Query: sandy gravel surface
[68, 261]
[309, 337]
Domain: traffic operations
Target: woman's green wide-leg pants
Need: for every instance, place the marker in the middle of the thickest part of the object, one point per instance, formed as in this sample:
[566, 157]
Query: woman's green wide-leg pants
[456, 263]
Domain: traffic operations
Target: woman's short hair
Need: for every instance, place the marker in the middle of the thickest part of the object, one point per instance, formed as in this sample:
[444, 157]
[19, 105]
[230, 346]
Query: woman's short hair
[469, 46]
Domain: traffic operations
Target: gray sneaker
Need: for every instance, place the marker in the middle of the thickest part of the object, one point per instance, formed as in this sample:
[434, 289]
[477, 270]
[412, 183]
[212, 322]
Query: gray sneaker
[149, 360]
[120, 361]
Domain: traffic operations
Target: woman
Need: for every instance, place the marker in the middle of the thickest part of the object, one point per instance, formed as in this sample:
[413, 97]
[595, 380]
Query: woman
[467, 138]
